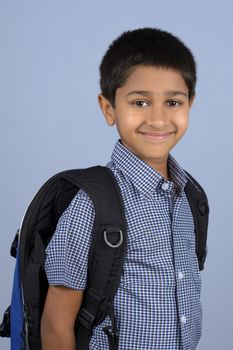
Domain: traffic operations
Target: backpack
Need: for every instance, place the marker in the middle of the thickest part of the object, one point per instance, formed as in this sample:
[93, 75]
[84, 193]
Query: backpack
[21, 320]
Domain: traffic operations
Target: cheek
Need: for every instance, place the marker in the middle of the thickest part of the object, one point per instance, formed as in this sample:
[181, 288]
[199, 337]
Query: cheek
[126, 122]
[121, 127]
[182, 123]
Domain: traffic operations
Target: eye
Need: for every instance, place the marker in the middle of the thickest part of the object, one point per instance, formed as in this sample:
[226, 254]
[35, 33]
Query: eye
[174, 103]
[139, 103]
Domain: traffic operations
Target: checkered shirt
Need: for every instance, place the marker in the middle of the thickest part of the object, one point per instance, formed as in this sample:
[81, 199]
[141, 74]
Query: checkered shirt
[157, 304]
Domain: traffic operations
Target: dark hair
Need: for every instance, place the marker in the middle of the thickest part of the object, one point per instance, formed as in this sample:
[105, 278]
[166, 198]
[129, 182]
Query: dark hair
[144, 46]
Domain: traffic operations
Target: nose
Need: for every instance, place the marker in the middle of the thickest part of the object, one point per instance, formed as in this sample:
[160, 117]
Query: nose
[157, 117]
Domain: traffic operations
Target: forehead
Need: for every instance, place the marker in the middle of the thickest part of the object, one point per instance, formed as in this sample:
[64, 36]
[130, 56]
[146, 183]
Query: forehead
[155, 79]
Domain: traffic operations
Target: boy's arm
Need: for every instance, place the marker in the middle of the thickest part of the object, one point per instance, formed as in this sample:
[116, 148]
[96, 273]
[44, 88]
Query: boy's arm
[60, 311]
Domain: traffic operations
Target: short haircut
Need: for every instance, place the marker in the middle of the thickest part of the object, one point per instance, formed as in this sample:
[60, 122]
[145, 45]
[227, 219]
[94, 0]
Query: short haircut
[149, 47]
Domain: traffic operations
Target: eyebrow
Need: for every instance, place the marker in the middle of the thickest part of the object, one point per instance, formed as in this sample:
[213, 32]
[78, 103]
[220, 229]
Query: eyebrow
[167, 93]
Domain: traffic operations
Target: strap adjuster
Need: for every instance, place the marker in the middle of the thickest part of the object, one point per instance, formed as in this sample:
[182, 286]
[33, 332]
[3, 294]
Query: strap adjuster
[85, 318]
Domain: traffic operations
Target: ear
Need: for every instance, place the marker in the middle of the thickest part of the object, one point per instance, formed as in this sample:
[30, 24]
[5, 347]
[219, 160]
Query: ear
[107, 110]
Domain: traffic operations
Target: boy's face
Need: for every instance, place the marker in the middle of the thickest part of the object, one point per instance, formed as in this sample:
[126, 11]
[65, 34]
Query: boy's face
[151, 121]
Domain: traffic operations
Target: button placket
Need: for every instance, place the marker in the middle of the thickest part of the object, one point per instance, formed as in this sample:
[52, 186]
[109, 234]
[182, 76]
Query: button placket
[180, 275]
[183, 319]
[165, 186]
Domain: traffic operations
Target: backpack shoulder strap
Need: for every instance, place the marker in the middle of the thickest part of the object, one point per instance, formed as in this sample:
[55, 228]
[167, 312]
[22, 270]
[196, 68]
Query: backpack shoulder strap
[200, 209]
[107, 251]
[110, 224]
[106, 254]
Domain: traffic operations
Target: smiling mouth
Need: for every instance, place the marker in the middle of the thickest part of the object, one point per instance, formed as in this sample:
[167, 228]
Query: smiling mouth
[154, 136]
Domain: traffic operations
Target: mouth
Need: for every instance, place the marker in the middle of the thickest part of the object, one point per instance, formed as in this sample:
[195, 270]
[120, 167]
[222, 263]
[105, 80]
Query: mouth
[156, 136]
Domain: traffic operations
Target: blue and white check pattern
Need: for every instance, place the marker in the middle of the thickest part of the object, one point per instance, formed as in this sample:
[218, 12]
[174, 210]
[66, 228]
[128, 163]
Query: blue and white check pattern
[157, 305]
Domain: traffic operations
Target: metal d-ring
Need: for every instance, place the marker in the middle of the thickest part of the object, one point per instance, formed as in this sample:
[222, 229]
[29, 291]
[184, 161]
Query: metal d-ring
[114, 245]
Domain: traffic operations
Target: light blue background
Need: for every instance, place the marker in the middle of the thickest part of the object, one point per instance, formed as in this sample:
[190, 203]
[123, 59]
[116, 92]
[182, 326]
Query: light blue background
[50, 118]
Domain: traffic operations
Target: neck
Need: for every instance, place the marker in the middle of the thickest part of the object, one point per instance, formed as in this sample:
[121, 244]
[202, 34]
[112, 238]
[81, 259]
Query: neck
[161, 167]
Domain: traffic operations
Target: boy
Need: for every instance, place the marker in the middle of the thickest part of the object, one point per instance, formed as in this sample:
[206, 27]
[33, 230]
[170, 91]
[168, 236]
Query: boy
[147, 78]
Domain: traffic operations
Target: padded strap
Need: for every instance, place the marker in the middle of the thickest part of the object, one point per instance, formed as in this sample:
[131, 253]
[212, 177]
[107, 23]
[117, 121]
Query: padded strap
[107, 250]
[200, 210]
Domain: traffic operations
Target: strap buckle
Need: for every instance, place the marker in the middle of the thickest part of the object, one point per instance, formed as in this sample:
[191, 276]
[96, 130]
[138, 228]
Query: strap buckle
[85, 318]
[92, 298]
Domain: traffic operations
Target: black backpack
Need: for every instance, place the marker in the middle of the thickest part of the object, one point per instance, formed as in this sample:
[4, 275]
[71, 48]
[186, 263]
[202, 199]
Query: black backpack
[21, 320]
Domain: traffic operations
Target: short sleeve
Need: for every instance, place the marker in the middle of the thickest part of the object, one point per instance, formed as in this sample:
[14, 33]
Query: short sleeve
[67, 253]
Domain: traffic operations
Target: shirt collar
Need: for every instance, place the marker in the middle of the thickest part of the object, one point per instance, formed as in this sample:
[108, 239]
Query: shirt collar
[144, 177]
[177, 174]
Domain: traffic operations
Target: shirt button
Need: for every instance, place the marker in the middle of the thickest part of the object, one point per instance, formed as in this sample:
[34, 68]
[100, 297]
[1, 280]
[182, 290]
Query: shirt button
[180, 275]
[165, 186]
[183, 319]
